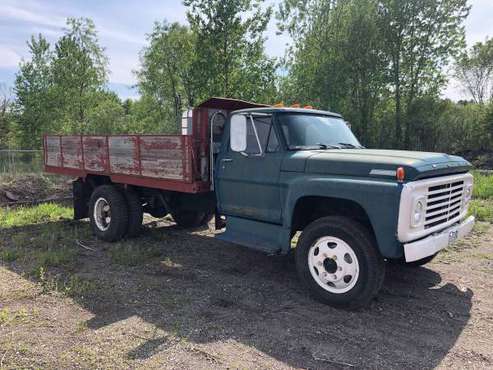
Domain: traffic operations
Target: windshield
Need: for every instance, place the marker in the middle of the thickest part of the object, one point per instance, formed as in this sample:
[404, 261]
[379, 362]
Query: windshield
[311, 131]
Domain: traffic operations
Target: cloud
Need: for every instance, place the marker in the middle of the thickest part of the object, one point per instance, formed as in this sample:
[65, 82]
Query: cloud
[25, 15]
[8, 57]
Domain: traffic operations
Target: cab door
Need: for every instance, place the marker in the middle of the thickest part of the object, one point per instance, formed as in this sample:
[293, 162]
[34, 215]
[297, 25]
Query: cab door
[248, 169]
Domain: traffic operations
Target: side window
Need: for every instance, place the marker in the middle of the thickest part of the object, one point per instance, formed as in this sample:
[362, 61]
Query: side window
[258, 134]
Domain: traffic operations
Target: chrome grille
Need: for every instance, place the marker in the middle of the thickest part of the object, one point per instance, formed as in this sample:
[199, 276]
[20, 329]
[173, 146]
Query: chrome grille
[443, 203]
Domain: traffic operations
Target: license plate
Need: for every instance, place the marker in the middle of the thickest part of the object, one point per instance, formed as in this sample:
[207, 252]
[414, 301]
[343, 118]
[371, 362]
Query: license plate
[452, 236]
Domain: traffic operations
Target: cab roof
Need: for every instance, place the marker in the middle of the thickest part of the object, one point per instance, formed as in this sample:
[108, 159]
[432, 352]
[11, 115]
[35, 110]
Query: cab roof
[244, 106]
[288, 110]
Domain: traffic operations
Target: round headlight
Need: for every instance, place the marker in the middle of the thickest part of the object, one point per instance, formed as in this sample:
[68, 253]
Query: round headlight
[418, 211]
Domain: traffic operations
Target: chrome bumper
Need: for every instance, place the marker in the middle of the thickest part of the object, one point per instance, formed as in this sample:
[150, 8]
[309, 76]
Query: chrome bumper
[432, 244]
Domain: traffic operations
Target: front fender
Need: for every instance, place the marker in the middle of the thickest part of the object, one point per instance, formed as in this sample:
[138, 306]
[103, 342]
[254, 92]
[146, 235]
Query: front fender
[379, 199]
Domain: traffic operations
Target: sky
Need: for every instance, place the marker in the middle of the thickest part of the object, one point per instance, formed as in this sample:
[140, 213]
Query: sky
[122, 27]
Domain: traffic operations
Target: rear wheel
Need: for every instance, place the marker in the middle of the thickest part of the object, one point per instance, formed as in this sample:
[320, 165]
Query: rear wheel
[337, 261]
[108, 213]
[190, 219]
[135, 212]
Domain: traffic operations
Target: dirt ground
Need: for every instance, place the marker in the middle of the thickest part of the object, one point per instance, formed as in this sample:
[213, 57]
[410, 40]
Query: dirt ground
[180, 299]
[32, 187]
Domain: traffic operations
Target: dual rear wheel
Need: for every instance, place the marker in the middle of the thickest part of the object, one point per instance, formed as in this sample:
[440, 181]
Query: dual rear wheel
[116, 213]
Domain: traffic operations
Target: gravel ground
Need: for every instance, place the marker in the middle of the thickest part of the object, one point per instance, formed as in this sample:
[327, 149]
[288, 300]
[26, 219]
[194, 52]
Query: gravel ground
[180, 299]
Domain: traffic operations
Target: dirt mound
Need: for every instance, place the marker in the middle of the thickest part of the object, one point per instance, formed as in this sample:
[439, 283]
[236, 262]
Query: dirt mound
[29, 187]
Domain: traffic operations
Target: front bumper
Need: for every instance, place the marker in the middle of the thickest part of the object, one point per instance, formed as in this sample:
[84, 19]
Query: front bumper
[432, 244]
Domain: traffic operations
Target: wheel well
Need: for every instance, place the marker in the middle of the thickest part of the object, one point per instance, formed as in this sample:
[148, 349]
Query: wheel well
[311, 208]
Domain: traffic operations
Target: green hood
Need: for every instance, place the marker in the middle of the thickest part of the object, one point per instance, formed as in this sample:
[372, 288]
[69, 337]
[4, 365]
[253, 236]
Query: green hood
[374, 163]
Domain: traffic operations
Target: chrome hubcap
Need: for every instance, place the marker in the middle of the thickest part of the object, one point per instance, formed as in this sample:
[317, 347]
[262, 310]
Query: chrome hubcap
[333, 264]
[102, 214]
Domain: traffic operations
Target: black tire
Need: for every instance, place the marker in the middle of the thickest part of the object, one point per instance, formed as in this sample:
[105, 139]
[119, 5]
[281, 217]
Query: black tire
[420, 262]
[358, 239]
[135, 213]
[191, 219]
[118, 224]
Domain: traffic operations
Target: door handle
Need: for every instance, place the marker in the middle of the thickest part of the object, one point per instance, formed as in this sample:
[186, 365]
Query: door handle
[227, 160]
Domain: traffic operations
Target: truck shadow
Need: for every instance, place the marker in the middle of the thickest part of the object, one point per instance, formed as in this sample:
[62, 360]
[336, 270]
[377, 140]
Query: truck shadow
[206, 291]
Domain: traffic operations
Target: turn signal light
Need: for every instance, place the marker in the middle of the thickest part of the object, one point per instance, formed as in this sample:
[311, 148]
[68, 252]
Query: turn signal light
[400, 174]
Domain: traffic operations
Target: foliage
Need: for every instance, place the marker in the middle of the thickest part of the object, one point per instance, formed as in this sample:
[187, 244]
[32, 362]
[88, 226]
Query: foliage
[166, 77]
[230, 59]
[79, 69]
[33, 95]
[368, 57]
[474, 69]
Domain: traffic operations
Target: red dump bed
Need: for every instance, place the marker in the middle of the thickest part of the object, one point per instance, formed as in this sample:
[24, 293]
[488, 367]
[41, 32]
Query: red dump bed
[169, 162]
[158, 161]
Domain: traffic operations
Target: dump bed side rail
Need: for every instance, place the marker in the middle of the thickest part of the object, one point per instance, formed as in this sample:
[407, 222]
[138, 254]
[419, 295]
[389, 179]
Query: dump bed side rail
[158, 161]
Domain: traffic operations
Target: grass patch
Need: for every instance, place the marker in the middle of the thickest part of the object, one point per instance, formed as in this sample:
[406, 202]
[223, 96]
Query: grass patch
[8, 317]
[482, 210]
[483, 186]
[47, 212]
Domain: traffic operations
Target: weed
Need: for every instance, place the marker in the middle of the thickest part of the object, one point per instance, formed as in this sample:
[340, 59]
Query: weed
[483, 186]
[76, 286]
[9, 255]
[8, 317]
[42, 213]
[482, 210]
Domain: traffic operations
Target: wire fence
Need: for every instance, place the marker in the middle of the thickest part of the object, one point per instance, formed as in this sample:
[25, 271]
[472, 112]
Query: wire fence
[18, 161]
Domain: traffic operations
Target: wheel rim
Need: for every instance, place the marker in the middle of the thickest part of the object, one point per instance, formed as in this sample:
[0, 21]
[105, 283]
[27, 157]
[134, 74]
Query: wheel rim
[333, 264]
[102, 214]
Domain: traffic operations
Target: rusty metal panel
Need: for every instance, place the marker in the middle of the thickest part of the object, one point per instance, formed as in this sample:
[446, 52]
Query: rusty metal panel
[71, 152]
[162, 157]
[123, 154]
[53, 151]
[95, 153]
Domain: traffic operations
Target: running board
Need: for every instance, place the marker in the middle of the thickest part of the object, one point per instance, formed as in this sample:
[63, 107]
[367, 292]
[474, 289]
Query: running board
[265, 237]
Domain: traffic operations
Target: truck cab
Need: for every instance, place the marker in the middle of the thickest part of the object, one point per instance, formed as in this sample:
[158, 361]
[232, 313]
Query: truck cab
[285, 171]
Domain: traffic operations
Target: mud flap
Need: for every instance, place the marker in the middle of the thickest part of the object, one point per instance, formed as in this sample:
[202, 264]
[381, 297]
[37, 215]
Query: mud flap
[81, 193]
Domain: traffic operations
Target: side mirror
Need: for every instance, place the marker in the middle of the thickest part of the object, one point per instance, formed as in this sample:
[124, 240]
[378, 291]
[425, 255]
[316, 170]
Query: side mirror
[238, 133]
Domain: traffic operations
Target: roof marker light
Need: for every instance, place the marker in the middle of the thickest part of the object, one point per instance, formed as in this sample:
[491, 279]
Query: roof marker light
[400, 174]
[308, 107]
[295, 105]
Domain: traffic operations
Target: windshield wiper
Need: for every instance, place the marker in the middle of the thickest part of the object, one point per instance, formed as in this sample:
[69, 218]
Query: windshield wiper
[304, 147]
[328, 146]
[351, 146]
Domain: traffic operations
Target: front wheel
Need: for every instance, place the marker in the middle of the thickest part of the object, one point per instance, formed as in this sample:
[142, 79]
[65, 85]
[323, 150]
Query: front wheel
[337, 261]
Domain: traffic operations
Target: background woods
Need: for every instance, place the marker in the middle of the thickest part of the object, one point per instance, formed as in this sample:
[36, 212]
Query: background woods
[381, 63]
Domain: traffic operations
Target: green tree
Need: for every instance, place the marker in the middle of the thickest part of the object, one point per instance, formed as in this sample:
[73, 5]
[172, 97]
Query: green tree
[33, 102]
[474, 70]
[6, 116]
[420, 38]
[79, 71]
[336, 61]
[230, 58]
[166, 76]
